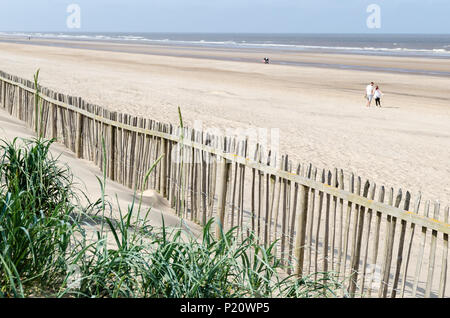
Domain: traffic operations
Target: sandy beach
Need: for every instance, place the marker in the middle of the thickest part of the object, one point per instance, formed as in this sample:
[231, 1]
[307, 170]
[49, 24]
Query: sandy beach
[319, 110]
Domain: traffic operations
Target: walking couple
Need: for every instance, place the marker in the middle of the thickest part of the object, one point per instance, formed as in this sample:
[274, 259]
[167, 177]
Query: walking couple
[371, 92]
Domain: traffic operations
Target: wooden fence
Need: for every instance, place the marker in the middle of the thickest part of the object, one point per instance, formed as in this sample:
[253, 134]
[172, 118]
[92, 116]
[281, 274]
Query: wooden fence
[381, 242]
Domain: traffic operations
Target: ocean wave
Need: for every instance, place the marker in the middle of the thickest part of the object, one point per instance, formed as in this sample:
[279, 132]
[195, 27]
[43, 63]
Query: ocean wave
[442, 51]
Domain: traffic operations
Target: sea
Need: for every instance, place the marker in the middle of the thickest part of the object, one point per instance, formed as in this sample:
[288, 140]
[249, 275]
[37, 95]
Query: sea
[429, 45]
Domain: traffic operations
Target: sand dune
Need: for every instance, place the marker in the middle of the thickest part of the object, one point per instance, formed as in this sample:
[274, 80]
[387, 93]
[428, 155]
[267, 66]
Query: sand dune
[85, 179]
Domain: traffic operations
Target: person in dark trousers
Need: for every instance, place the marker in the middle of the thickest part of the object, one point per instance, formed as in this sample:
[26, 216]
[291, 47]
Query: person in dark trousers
[377, 95]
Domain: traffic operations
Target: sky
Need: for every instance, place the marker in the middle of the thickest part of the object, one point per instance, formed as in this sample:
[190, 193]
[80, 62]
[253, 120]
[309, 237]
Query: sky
[228, 16]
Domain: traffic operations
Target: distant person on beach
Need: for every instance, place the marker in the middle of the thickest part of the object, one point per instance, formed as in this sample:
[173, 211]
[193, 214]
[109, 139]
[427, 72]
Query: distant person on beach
[266, 60]
[377, 96]
[369, 93]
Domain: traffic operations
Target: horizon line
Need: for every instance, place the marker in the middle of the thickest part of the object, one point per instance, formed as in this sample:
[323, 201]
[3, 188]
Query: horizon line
[229, 32]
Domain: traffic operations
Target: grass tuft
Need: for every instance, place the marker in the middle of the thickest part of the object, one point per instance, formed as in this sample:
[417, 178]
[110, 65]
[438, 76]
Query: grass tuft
[52, 246]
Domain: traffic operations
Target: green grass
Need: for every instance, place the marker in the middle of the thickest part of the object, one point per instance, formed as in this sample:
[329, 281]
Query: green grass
[36, 226]
[53, 246]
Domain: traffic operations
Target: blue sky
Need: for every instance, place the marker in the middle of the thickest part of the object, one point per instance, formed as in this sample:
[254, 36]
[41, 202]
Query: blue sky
[275, 16]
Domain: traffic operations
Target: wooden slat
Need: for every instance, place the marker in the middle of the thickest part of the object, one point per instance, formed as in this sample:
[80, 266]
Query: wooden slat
[367, 239]
[355, 232]
[421, 251]
[317, 236]
[242, 187]
[376, 241]
[341, 226]
[347, 229]
[357, 252]
[260, 197]
[292, 225]
[389, 246]
[410, 244]
[444, 266]
[311, 222]
[334, 183]
[432, 260]
[301, 229]
[253, 193]
[268, 217]
[284, 216]
[327, 227]
[400, 247]
[223, 181]
[234, 189]
[271, 185]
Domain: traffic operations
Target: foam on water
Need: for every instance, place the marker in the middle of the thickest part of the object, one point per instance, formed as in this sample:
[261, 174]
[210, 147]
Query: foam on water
[415, 45]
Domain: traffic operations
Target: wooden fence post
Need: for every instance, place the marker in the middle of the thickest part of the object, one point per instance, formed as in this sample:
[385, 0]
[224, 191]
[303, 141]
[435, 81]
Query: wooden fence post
[406, 264]
[432, 259]
[163, 167]
[54, 118]
[113, 136]
[3, 97]
[377, 237]
[79, 135]
[389, 245]
[301, 230]
[355, 260]
[400, 247]
[36, 111]
[224, 169]
[443, 279]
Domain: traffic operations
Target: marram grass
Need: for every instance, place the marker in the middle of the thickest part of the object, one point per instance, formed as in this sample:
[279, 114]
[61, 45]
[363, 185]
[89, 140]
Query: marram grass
[53, 246]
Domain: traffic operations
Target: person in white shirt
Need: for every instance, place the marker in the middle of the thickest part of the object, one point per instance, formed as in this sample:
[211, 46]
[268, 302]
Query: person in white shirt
[369, 93]
[377, 96]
